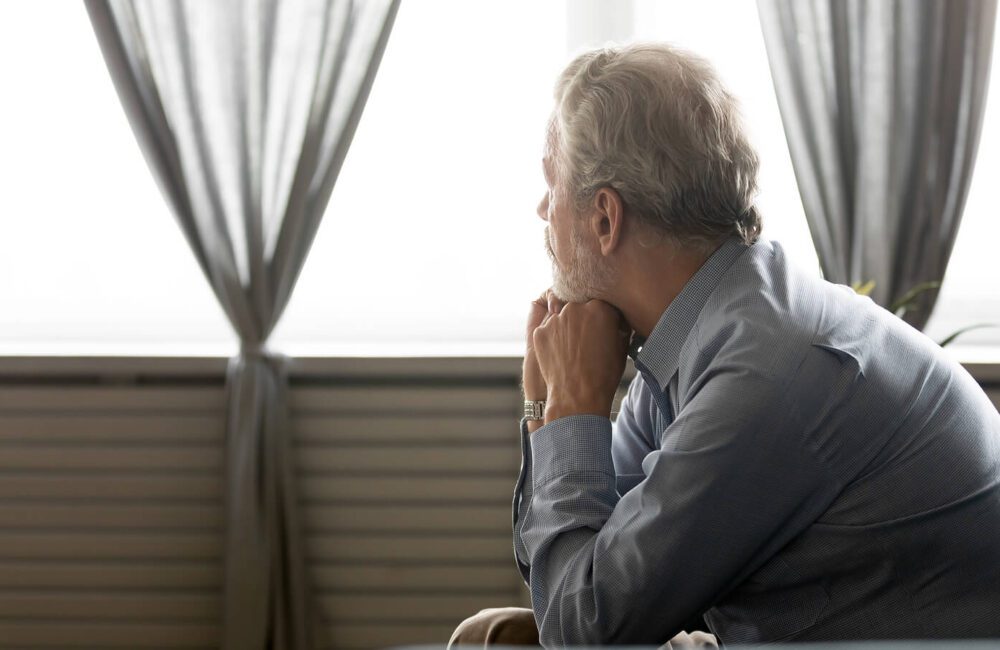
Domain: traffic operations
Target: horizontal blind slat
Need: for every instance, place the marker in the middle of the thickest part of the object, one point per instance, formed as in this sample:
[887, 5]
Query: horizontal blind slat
[405, 490]
[136, 516]
[109, 635]
[109, 457]
[415, 578]
[110, 574]
[451, 548]
[427, 459]
[96, 606]
[93, 486]
[415, 518]
[378, 427]
[409, 399]
[408, 608]
[121, 399]
[164, 428]
[61, 545]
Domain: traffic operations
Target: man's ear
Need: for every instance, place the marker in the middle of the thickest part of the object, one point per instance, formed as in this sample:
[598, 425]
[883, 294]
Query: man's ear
[608, 219]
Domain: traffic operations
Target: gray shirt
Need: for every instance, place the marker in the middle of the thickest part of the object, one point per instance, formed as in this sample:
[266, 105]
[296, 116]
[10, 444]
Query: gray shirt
[791, 459]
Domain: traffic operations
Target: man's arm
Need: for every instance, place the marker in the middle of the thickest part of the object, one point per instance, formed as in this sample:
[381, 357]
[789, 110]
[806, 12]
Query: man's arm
[632, 569]
[533, 387]
[630, 444]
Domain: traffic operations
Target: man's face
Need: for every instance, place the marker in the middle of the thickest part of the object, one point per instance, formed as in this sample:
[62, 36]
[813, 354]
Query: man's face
[578, 272]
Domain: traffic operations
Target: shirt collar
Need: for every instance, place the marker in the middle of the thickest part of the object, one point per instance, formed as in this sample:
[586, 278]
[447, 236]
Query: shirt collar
[660, 351]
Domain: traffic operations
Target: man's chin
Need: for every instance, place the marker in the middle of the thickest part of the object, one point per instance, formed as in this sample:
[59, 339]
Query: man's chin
[568, 295]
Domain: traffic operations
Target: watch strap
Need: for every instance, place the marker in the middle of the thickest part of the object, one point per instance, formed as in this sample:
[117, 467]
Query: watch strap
[534, 409]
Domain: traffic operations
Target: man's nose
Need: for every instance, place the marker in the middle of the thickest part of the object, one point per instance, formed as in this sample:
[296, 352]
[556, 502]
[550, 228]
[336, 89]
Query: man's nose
[543, 209]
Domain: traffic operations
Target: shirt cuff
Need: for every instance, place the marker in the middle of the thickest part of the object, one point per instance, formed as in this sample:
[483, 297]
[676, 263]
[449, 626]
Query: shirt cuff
[574, 443]
[522, 499]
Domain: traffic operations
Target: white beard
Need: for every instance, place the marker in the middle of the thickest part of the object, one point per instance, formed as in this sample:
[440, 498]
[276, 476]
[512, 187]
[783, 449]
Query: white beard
[584, 277]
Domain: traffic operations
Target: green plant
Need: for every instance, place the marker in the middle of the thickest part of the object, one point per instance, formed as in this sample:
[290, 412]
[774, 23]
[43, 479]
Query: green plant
[908, 302]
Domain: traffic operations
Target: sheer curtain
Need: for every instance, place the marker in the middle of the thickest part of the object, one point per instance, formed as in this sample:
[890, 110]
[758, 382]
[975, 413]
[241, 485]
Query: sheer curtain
[245, 110]
[882, 103]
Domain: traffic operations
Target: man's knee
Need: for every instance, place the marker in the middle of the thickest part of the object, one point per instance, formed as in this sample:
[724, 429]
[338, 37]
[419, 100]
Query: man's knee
[497, 626]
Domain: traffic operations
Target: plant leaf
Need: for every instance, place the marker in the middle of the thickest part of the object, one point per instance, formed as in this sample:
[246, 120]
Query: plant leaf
[905, 302]
[954, 335]
[864, 289]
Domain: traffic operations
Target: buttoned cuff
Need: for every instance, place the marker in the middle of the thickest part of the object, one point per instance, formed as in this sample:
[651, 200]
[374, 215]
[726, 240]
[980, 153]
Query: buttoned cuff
[575, 443]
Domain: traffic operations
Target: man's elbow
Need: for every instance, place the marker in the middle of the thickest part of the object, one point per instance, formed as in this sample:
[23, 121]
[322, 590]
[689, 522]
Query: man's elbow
[575, 620]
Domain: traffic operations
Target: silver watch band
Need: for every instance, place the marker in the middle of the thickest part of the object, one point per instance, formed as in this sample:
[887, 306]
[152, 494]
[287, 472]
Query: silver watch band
[534, 409]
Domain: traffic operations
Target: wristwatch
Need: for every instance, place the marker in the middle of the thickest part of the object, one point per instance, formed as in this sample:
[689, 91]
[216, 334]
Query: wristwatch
[534, 409]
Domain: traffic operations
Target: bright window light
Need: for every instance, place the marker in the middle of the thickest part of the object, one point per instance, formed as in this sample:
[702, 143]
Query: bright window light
[970, 293]
[91, 258]
[457, 273]
[430, 244]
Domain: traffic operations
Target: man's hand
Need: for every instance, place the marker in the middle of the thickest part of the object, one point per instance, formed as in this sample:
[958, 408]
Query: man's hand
[581, 353]
[691, 640]
[532, 382]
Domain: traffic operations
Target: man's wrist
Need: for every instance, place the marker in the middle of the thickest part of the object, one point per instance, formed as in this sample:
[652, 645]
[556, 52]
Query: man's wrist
[563, 406]
[533, 395]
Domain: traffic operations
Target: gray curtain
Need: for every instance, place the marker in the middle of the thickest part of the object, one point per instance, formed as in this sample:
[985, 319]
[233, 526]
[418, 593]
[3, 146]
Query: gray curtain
[882, 103]
[244, 110]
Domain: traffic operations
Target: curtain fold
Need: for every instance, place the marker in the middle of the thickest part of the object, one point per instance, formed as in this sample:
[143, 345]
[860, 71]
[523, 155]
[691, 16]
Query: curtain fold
[882, 103]
[244, 111]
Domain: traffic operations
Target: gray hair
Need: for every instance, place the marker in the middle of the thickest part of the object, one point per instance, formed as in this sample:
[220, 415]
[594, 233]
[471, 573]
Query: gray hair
[654, 123]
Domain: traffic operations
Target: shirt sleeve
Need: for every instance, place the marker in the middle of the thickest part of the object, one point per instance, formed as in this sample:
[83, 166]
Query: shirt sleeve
[737, 479]
[632, 431]
[522, 497]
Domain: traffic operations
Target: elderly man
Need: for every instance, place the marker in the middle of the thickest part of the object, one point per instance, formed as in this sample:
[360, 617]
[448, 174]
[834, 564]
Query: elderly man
[791, 461]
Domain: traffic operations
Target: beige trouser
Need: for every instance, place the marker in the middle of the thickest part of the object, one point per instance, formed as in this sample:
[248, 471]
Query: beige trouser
[516, 626]
[497, 626]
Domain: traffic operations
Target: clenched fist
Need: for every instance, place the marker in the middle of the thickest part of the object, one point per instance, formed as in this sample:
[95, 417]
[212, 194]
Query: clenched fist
[532, 382]
[581, 353]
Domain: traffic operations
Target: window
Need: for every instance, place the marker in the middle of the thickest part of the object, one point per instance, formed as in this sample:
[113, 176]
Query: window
[430, 244]
[91, 259]
[454, 251]
[970, 293]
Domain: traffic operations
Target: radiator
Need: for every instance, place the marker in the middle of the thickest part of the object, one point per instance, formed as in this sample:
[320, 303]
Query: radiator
[111, 499]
